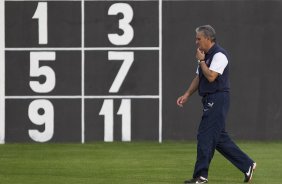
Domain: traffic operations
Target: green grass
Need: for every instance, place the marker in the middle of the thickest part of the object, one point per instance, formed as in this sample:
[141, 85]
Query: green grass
[128, 163]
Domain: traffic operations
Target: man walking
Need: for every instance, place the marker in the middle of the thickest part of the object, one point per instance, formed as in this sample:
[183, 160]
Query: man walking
[212, 84]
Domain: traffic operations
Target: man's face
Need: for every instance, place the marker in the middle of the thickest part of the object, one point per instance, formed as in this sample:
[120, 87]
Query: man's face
[202, 42]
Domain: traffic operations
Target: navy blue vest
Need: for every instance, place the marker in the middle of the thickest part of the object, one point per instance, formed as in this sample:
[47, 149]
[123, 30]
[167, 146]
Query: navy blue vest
[221, 83]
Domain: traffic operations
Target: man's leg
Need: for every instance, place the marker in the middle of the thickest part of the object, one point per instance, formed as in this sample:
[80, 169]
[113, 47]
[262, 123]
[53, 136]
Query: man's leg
[209, 132]
[204, 152]
[233, 153]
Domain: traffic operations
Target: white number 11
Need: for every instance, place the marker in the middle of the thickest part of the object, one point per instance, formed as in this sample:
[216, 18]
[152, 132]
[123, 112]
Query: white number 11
[107, 111]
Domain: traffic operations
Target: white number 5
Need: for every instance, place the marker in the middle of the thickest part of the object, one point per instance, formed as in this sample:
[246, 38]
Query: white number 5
[36, 71]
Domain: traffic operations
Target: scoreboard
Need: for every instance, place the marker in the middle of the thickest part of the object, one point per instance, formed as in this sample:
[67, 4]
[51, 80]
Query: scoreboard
[80, 71]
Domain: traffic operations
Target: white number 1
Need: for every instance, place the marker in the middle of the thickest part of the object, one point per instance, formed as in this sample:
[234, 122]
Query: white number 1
[41, 15]
[125, 112]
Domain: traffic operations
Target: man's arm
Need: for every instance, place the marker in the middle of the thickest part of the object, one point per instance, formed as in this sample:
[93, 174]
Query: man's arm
[190, 91]
[193, 86]
[209, 74]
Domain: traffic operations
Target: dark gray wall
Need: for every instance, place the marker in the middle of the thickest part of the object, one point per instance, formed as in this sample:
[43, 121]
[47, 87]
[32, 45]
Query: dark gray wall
[251, 32]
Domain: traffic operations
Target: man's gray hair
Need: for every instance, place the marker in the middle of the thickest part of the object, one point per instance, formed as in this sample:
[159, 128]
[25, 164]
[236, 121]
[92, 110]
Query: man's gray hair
[208, 31]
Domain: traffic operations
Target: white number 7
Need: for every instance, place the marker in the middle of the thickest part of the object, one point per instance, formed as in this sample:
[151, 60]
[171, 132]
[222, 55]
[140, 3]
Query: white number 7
[128, 58]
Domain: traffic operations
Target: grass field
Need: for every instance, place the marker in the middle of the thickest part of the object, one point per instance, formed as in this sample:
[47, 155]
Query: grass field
[128, 163]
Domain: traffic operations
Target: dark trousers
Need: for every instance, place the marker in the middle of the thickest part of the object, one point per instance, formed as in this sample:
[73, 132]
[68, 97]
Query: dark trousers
[212, 135]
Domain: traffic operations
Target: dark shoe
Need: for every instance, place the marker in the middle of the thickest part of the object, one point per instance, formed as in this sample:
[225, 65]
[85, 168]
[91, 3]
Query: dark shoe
[249, 174]
[197, 180]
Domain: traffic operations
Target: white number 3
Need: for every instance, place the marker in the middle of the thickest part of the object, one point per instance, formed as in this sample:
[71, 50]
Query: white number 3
[124, 24]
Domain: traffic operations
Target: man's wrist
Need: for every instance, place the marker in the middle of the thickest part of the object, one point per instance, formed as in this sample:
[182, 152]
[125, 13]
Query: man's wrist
[200, 61]
[187, 94]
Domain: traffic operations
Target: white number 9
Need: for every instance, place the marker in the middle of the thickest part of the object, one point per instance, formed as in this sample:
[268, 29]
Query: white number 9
[124, 24]
[46, 117]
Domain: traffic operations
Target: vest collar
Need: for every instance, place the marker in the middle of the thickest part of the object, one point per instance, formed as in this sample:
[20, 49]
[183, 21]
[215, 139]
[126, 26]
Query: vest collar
[212, 49]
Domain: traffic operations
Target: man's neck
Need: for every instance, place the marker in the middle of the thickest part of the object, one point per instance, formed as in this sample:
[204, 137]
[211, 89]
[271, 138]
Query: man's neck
[209, 47]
